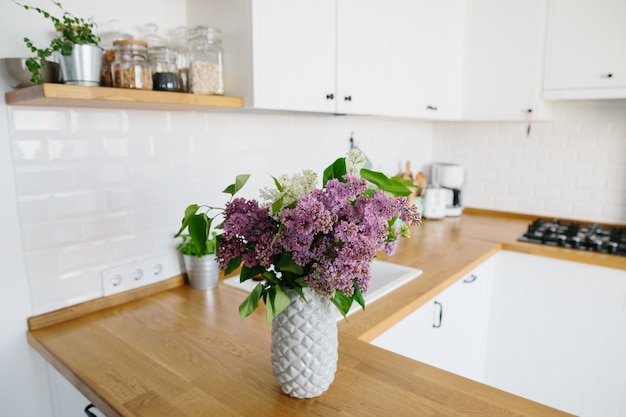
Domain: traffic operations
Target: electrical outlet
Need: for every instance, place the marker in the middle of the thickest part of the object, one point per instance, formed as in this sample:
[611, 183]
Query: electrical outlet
[133, 275]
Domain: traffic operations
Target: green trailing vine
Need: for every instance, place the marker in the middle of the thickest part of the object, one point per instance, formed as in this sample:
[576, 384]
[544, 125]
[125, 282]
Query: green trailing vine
[71, 31]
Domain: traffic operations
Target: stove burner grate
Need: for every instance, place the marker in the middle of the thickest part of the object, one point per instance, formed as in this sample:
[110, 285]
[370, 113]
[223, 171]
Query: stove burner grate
[573, 235]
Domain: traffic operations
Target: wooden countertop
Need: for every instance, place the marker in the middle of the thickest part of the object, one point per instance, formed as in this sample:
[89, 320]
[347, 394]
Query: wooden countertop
[169, 350]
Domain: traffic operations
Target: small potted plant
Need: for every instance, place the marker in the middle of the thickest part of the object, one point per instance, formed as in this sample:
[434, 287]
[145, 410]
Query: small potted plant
[76, 43]
[200, 239]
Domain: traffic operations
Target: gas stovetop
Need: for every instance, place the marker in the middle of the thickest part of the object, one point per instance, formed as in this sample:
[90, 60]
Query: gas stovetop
[593, 238]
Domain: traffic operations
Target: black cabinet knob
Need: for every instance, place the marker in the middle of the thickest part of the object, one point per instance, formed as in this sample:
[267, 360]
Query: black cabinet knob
[609, 75]
[347, 98]
[330, 96]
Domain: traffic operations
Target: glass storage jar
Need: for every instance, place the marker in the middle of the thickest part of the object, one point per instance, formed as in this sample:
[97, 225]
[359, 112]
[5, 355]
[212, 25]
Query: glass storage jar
[112, 32]
[131, 68]
[164, 72]
[180, 44]
[205, 66]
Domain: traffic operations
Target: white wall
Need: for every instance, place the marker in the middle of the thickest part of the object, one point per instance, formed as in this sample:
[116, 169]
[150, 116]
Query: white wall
[573, 166]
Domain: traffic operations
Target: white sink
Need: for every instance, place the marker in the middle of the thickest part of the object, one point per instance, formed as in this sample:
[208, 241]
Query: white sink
[386, 277]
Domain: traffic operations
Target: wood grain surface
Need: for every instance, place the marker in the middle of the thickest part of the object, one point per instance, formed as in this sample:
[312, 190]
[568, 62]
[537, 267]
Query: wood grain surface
[48, 94]
[184, 352]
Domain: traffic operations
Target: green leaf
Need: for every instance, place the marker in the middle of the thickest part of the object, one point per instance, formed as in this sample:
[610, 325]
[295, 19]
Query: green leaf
[251, 302]
[198, 231]
[390, 185]
[358, 296]
[190, 211]
[342, 302]
[232, 264]
[287, 264]
[278, 185]
[336, 170]
[276, 205]
[240, 181]
[281, 301]
[249, 273]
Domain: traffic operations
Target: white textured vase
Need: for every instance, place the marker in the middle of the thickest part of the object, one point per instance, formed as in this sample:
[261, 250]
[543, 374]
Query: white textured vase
[304, 345]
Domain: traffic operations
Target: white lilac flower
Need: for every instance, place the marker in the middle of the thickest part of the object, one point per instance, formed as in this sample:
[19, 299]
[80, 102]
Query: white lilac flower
[293, 188]
[355, 160]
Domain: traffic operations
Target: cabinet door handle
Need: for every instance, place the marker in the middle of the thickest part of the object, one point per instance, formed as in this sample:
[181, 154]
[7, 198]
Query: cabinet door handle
[609, 75]
[437, 323]
[89, 413]
[471, 279]
[347, 98]
[433, 108]
[330, 96]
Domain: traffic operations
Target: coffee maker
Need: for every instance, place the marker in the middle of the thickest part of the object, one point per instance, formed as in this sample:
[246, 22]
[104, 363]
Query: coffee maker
[449, 177]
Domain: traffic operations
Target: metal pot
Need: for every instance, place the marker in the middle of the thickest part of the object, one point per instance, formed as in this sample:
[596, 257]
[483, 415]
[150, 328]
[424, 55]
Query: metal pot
[82, 66]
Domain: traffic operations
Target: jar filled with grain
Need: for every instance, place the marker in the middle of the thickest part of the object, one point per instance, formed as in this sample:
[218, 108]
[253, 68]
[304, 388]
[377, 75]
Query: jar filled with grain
[112, 32]
[205, 66]
[164, 72]
[131, 68]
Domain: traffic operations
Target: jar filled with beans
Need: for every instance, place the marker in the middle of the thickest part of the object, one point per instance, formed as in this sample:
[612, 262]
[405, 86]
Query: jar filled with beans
[111, 34]
[205, 63]
[131, 68]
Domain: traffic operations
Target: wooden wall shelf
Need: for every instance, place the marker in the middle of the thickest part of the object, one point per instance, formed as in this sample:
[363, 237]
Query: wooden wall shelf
[61, 95]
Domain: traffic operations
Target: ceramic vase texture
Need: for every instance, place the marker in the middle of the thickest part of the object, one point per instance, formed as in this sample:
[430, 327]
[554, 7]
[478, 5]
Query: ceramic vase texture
[304, 345]
[202, 272]
[82, 66]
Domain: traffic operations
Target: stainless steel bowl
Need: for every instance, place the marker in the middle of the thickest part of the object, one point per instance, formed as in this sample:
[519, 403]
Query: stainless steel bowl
[15, 73]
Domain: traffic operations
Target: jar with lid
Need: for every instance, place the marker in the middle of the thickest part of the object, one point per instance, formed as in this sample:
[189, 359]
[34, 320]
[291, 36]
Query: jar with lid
[180, 44]
[205, 66]
[131, 68]
[112, 32]
[149, 35]
[164, 72]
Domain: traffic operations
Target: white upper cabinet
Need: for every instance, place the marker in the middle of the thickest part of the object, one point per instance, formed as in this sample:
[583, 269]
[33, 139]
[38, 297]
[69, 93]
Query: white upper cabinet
[439, 60]
[311, 55]
[363, 57]
[425, 73]
[586, 49]
[504, 60]
[293, 54]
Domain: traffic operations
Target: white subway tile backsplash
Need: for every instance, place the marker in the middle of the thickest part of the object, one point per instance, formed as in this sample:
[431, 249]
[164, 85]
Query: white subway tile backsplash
[116, 147]
[97, 188]
[39, 120]
[79, 203]
[98, 175]
[90, 120]
[44, 179]
[574, 164]
[84, 255]
[72, 149]
[30, 150]
[46, 235]
[42, 263]
[109, 225]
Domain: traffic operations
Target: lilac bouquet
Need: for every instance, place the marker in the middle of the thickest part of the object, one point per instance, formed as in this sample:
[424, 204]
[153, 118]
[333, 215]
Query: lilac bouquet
[322, 238]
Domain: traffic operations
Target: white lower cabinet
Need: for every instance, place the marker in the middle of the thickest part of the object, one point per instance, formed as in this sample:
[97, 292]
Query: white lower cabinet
[557, 334]
[67, 401]
[449, 331]
[549, 330]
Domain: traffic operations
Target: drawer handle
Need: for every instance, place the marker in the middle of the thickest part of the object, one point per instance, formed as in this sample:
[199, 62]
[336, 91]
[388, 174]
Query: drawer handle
[433, 108]
[347, 98]
[437, 324]
[471, 279]
[330, 96]
[89, 413]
